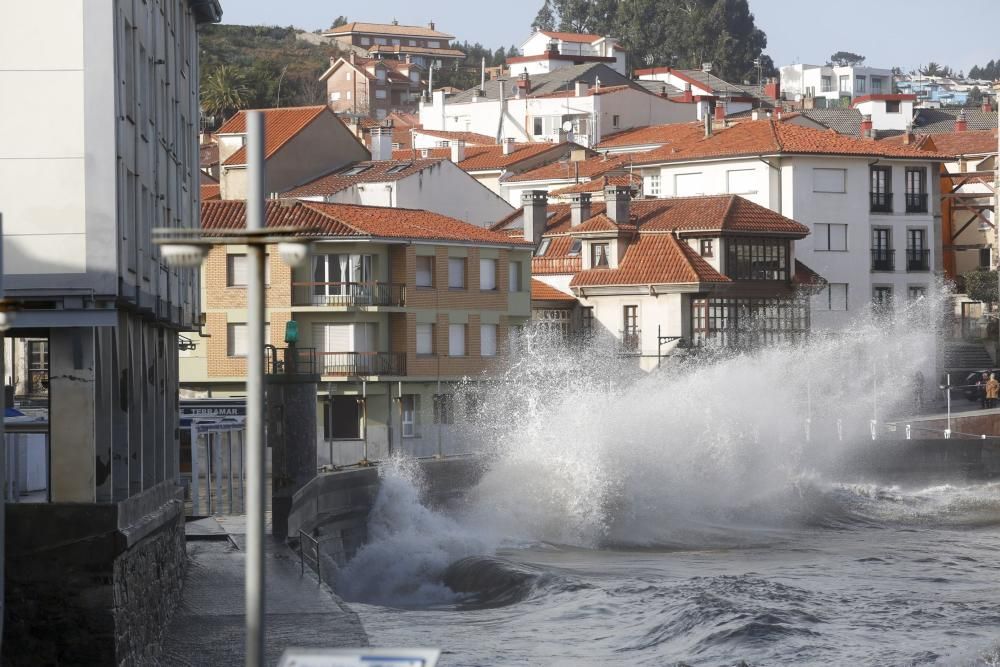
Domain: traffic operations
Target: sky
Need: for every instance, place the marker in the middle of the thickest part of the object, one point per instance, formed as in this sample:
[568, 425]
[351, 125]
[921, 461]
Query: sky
[889, 33]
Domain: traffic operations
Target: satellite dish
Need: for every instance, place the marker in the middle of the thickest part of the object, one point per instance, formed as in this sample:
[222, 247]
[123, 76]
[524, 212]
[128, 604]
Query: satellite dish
[567, 126]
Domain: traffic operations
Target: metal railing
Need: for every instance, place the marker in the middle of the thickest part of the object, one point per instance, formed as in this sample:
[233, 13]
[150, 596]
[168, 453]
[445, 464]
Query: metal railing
[360, 364]
[289, 361]
[916, 202]
[540, 265]
[631, 341]
[309, 554]
[348, 294]
[883, 259]
[881, 202]
[917, 259]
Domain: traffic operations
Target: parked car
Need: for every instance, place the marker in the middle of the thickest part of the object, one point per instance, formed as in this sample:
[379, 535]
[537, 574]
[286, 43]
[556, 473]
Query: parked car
[969, 386]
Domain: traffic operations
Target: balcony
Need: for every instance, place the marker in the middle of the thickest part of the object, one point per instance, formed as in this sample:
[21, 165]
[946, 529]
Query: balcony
[361, 364]
[916, 202]
[349, 295]
[883, 259]
[631, 341]
[289, 360]
[881, 202]
[917, 259]
[547, 265]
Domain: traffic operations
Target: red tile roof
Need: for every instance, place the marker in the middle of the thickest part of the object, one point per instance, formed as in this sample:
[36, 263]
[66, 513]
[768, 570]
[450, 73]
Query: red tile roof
[952, 143]
[769, 137]
[281, 125]
[350, 220]
[673, 134]
[208, 154]
[387, 29]
[654, 259]
[484, 158]
[544, 292]
[375, 172]
[603, 90]
[206, 178]
[597, 185]
[579, 37]
[470, 138]
[562, 170]
[210, 192]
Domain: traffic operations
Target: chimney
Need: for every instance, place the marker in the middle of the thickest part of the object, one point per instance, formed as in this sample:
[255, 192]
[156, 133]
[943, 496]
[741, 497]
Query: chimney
[987, 107]
[580, 88]
[579, 208]
[708, 124]
[524, 84]
[755, 114]
[508, 145]
[688, 96]
[534, 204]
[866, 127]
[431, 25]
[772, 88]
[720, 111]
[457, 151]
[352, 57]
[908, 134]
[381, 143]
[960, 124]
[616, 199]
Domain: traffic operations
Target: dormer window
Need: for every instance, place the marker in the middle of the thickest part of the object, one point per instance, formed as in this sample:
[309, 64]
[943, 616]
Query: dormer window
[574, 247]
[599, 255]
[707, 248]
[542, 247]
[354, 171]
[399, 167]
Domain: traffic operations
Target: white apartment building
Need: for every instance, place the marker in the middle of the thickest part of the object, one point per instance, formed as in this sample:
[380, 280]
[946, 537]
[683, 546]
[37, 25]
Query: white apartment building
[99, 145]
[701, 84]
[872, 208]
[547, 51]
[581, 103]
[832, 82]
[886, 112]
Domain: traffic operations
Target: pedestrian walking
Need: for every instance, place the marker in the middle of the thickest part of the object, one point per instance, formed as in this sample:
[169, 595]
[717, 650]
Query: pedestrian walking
[981, 389]
[992, 391]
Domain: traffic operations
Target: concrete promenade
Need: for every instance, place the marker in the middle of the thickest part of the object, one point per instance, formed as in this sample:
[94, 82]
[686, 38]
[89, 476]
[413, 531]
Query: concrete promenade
[208, 626]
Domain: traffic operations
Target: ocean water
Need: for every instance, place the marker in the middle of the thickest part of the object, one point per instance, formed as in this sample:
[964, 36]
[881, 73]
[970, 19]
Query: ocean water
[705, 514]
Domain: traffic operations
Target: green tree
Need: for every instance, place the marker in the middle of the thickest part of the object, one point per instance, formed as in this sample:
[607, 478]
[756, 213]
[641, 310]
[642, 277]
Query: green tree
[975, 97]
[545, 19]
[224, 91]
[845, 58]
[339, 21]
[981, 285]
[935, 69]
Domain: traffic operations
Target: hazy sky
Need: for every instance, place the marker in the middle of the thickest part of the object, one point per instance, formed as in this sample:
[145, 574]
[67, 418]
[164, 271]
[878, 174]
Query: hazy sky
[889, 33]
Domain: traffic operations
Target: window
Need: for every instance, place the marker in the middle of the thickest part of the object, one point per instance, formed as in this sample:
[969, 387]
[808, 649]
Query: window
[381, 40]
[826, 84]
[456, 272]
[845, 84]
[707, 248]
[882, 253]
[916, 190]
[757, 259]
[574, 247]
[651, 185]
[587, 320]
[380, 75]
[877, 86]
[415, 76]
[444, 409]
[236, 270]
[338, 279]
[425, 271]
[747, 321]
[236, 338]
[917, 253]
[916, 292]
[830, 180]
[128, 53]
[599, 255]
[687, 185]
[354, 171]
[615, 120]
[630, 328]
[425, 339]
[379, 94]
[859, 84]
[487, 340]
[456, 340]
[412, 42]
[38, 367]
[832, 297]
[343, 418]
[487, 274]
[514, 277]
[433, 44]
[830, 237]
[536, 127]
[740, 181]
[348, 76]
[395, 41]
[881, 189]
[892, 107]
[542, 247]
[334, 96]
[984, 258]
[409, 405]
[882, 299]
[365, 41]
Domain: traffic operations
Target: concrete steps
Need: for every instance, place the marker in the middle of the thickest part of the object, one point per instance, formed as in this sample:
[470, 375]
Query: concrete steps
[960, 356]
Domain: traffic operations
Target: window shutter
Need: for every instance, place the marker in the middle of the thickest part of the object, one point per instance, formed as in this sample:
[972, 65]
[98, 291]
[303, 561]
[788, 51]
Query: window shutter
[686, 185]
[425, 271]
[456, 272]
[333, 337]
[488, 340]
[487, 274]
[829, 180]
[740, 181]
[425, 339]
[456, 340]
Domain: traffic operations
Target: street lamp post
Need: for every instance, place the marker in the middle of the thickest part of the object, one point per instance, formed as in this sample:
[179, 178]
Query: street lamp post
[187, 248]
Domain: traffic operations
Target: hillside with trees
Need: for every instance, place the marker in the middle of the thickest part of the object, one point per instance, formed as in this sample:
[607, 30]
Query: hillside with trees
[681, 33]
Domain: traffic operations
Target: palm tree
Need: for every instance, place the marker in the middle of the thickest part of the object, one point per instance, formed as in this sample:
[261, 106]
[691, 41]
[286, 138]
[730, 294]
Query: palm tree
[223, 92]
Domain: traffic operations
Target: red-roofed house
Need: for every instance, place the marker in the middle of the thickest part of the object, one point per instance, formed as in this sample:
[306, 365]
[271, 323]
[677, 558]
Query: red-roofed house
[548, 50]
[653, 272]
[872, 206]
[372, 87]
[420, 44]
[300, 143]
[397, 306]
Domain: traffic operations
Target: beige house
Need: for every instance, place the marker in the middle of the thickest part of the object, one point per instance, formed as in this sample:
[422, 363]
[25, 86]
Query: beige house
[301, 143]
[372, 87]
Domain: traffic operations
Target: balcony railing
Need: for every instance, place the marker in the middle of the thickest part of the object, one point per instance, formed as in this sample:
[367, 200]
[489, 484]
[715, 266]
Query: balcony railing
[349, 294]
[541, 265]
[360, 364]
[631, 341]
[916, 202]
[881, 202]
[917, 259]
[289, 361]
[883, 259]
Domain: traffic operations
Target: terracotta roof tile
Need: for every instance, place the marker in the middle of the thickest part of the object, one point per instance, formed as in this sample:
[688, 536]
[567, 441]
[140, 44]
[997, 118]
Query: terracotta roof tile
[673, 134]
[953, 143]
[564, 169]
[597, 184]
[374, 172]
[470, 138]
[421, 50]
[349, 220]
[280, 124]
[210, 192]
[485, 158]
[387, 29]
[578, 37]
[544, 292]
[603, 90]
[766, 137]
[655, 259]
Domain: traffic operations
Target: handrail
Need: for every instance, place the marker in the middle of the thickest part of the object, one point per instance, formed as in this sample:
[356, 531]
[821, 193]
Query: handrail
[370, 293]
[313, 558]
[360, 364]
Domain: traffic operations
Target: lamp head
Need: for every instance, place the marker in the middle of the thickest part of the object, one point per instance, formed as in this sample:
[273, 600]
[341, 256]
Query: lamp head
[183, 254]
[294, 253]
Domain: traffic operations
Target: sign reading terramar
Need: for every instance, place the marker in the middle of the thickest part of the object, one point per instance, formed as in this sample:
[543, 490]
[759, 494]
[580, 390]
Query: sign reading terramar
[213, 408]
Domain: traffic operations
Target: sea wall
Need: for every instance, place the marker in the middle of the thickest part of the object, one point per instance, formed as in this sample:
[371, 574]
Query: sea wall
[92, 584]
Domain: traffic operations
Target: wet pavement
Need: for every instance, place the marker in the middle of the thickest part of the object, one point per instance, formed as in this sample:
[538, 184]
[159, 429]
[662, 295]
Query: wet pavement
[208, 627]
